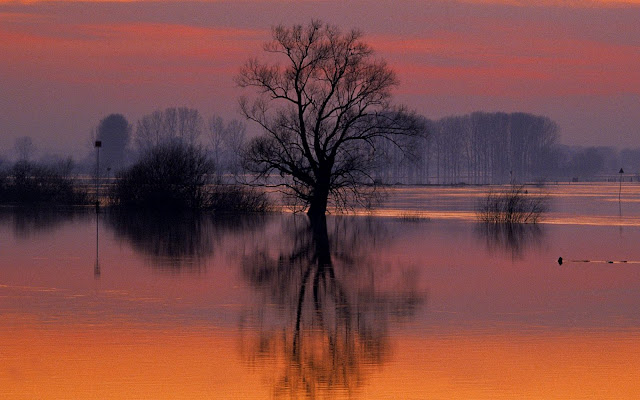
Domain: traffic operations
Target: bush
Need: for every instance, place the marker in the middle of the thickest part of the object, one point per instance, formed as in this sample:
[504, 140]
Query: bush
[168, 176]
[27, 183]
[233, 198]
[178, 176]
[513, 206]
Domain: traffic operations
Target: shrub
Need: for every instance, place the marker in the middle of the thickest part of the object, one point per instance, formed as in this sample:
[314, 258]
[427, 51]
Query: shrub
[172, 175]
[178, 176]
[27, 183]
[513, 206]
[234, 198]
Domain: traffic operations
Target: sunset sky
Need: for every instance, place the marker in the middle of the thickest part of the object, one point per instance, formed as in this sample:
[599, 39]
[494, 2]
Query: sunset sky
[64, 64]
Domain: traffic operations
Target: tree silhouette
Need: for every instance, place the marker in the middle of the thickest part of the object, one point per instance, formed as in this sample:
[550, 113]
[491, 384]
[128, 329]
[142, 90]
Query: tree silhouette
[321, 112]
[181, 124]
[226, 141]
[24, 147]
[114, 131]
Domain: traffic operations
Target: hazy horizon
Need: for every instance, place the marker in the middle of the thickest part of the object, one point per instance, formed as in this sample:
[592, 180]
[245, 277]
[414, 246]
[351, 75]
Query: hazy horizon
[66, 65]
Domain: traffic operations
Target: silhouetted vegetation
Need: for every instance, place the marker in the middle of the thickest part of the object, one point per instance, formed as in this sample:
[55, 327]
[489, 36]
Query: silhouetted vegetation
[236, 198]
[175, 175]
[322, 113]
[512, 206]
[28, 183]
[479, 148]
[168, 176]
[226, 141]
[114, 131]
[172, 125]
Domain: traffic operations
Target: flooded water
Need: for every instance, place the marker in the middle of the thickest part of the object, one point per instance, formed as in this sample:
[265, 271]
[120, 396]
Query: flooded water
[415, 300]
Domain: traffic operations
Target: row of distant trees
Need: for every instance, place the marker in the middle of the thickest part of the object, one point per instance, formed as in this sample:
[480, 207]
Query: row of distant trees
[171, 159]
[478, 148]
[493, 148]
[122, 144]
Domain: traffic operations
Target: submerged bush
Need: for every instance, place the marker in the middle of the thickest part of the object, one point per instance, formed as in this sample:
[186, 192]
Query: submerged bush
[178, 176]
[513, 206]
[170, 175]
[234, 198]
[27, 183]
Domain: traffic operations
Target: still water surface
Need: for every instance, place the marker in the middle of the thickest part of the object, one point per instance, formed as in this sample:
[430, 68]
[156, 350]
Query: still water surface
[415, 300]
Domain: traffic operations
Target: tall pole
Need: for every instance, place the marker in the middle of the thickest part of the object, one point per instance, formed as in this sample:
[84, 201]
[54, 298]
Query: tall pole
[98, 144]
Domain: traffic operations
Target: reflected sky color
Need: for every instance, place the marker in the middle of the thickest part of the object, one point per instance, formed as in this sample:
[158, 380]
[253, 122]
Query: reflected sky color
[65, 64]
[373, 307]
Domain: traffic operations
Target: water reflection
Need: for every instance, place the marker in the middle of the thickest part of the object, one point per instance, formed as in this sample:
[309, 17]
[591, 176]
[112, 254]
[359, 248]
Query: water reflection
[513, 239]
[179, 241]
[96, 267]
[27, 222]
[323, 319]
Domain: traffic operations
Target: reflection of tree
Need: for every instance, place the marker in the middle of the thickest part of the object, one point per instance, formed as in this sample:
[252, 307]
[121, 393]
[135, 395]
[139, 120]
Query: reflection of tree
[511, 238]
[29, 221]
[336, 317]
[175, 240]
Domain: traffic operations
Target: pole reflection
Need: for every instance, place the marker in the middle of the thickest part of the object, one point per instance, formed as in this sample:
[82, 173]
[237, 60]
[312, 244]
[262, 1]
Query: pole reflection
[96, 268]
[323, 318]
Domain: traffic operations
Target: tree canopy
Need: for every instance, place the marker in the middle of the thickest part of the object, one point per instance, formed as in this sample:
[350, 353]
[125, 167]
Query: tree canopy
[114, 131]
[324, 102]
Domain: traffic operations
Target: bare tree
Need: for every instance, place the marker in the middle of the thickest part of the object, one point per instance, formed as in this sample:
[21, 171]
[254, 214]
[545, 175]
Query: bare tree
[321, 111]
[226, 141]
[24, 147]
[180, 124]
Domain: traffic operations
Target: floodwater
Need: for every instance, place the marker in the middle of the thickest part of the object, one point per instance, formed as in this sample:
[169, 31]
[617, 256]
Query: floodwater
[414, 300]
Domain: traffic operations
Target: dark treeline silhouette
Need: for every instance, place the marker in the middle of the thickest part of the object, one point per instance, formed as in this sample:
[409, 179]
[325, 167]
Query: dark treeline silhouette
[170, 175]
[480, 148]
[499, 148]
[221, 140]
[597, 163]
[33, 183]
[178, 167]
[178, 176]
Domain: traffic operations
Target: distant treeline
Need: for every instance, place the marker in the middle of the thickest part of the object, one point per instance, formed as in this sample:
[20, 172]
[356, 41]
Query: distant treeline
[494, 148]
[478, 148]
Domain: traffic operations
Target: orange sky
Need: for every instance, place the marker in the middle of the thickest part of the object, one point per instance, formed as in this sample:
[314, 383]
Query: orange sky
[65, 65]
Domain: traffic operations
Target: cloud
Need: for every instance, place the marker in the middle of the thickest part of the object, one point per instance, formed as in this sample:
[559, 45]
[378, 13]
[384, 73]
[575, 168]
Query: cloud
[84, 59]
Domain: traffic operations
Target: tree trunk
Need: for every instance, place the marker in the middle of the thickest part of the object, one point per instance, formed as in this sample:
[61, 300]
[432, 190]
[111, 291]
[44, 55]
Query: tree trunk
[318, 202]
[317, 207]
